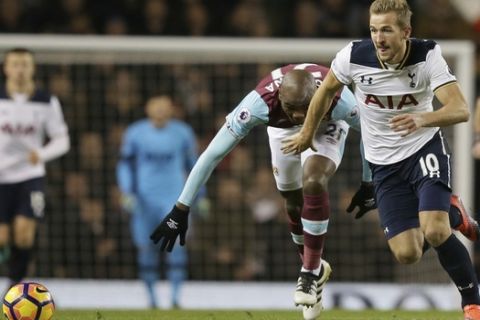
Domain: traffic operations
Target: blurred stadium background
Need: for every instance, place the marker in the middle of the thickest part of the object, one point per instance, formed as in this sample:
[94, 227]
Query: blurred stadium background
[97, 59]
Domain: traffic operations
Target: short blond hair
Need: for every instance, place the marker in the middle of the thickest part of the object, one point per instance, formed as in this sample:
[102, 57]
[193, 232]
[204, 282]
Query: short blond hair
[400, 7]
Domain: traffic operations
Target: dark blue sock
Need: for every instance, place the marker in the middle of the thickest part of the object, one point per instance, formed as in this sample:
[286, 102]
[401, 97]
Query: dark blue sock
[455, 260]
[18, 264]
[455, 217]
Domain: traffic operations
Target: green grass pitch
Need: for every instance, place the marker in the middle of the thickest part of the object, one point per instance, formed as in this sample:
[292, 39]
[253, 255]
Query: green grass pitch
[251, 315]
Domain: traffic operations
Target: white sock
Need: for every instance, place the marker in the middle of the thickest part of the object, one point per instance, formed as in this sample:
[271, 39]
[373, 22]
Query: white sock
[314, 271]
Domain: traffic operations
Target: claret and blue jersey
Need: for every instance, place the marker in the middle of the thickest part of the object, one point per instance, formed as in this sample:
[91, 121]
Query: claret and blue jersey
[262, 106]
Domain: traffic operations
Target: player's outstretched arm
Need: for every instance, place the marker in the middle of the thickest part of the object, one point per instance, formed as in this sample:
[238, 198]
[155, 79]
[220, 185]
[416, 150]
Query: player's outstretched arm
[366, 171]
[176, 222]
[317, 109]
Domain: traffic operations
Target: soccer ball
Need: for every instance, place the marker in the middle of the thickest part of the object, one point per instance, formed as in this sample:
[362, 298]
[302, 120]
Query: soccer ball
[28, 301]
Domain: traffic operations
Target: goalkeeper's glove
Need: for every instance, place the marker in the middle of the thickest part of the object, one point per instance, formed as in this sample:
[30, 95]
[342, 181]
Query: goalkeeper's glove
[173, 225]
[364, 199]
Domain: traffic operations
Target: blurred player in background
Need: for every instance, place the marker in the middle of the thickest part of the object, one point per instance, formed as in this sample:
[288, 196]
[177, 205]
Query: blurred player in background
[280, 101]
[28, 118]
[395, 79]
[156, 155]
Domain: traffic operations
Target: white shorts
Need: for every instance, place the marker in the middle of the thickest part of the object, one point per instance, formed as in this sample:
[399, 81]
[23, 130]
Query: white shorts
[287, 168]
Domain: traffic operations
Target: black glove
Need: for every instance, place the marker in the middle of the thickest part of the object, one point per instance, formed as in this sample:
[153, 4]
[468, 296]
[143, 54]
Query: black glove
[364, 199]
[174, 224]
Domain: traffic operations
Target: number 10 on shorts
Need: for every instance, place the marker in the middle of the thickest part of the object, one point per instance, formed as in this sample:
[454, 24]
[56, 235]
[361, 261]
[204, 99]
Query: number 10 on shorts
[430, 165]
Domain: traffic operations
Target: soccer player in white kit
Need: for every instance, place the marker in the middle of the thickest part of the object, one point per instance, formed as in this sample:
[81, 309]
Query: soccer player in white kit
[280, 102]
[28, 116]
[395, 78]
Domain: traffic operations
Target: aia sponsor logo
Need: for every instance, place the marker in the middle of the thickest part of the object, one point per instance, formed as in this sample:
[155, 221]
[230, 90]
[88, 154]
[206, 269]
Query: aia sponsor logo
[19, 129]
[391, 102]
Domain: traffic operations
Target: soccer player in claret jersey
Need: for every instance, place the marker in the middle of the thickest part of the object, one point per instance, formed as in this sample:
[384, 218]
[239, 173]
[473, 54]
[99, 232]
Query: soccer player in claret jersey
[280, 101]
[395, 78]
[27, 116]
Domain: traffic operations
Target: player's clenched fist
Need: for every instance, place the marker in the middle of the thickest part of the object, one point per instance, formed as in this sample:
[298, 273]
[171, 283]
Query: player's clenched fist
[173, 225]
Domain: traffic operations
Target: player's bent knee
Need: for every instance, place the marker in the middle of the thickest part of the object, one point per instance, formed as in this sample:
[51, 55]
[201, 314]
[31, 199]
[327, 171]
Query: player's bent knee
[436, 236]
[315, 184]
[407, 255]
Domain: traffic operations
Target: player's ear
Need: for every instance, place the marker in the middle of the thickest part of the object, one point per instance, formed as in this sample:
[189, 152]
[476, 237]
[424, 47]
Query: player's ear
[407, 31]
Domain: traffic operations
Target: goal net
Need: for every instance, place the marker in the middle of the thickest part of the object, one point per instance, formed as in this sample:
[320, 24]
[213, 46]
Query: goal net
[242, 234]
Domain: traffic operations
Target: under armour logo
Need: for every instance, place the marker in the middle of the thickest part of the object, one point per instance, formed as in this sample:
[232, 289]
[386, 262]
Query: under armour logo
[172, 224]
[412, 83]
[469, 286]
[363, 80]
[385, 230]
[370, 202]
[435, 174]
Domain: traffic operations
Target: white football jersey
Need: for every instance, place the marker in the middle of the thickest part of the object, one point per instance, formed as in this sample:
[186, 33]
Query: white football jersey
[25, 123]
[383, 91]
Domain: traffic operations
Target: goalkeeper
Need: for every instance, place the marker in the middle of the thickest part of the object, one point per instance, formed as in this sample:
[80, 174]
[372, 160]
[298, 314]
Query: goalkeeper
[156, 154]
[280, 101]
